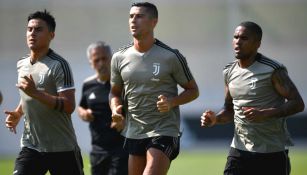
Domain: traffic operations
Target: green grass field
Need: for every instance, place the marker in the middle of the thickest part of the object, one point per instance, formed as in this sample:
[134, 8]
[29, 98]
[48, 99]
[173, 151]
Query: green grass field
[191, 163]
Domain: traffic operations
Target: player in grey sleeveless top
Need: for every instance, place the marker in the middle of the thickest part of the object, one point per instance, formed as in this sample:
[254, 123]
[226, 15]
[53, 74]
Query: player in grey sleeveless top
[259, 98]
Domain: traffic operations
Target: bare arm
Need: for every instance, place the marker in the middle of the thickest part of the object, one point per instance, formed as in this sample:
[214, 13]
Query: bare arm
[64, 101]
[13, 117]
[116, 106]
[115, 97]
[189, 94]
[226, 115]
[85, 114]
[286, 88]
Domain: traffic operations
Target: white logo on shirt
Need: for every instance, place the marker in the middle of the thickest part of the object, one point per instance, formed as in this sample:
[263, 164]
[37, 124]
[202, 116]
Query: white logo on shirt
[92, 96]
[156, 68]
[253, 83]
[41, 78]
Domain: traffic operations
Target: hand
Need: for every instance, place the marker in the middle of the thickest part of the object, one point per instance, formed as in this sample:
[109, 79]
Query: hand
[208, 119]
[118, 120]
[12, 120]
[253, 114]
[163, 104]
[87, 115]
[27, 85]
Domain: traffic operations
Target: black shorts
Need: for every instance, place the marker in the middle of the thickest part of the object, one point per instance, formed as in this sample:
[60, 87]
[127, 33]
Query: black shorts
[243, 162]
[168, 145]
[32, 162]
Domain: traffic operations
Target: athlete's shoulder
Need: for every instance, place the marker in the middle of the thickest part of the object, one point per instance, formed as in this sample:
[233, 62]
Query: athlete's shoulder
[123, 49]
[229, 65]
[21, 61]
[89, 79]
[56, 57]
[228, 68]
[167, 50]
[274, 64]
[165, 46]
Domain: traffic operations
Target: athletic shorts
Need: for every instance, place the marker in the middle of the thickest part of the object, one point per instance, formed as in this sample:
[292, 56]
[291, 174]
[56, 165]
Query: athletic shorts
[168, 145]
[243, 162]
[32, 162]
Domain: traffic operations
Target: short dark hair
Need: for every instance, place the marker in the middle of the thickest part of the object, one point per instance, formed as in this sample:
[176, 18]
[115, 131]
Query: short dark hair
[151, 8]
[45, 16]
[254, 28]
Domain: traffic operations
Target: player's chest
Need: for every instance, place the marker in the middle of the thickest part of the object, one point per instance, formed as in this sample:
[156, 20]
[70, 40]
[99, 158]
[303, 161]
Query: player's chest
[41, 75]
[144, 70]
[248, 84]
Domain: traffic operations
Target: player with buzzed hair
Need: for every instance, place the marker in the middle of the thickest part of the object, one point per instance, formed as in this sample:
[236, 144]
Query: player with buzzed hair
[259, 97]
[147, 73]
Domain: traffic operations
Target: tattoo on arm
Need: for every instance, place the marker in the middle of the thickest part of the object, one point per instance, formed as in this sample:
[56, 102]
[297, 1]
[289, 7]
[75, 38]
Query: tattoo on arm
[228, 105]
[61, 107]
[56, 103]
[59, 104]
[286, 88]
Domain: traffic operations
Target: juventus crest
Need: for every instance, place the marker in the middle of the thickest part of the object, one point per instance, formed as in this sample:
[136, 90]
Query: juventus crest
[156, 67]
[253, 83]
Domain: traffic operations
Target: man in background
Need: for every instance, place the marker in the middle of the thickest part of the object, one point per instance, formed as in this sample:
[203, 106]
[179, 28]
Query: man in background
[107, 156]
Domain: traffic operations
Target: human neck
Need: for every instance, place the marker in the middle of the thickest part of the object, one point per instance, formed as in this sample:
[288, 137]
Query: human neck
[103, 78]
[246, 62]
[144, 44]
[35, 55]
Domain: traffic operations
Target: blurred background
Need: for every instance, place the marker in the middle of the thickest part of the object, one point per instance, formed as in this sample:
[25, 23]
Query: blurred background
[201, 29]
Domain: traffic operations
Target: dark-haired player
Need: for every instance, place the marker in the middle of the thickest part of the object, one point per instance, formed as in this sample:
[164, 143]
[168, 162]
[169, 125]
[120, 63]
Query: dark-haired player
[146, 74]
[259, 96]
[47, 90]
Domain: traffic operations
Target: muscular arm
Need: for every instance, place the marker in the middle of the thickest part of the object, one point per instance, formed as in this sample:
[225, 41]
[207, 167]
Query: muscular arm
[13, 117]
[190, 93]
[64, 101]
[226, 115]
[85, 114]
[286, 88]
[115, 97]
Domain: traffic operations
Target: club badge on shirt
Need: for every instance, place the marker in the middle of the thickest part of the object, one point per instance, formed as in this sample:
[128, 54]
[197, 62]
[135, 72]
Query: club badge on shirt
[156, 67]
[156, 71]
[252, 85]
[41, 78]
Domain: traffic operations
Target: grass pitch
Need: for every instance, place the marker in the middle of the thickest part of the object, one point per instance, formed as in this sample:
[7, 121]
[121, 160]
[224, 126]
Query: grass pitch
[190, 163]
